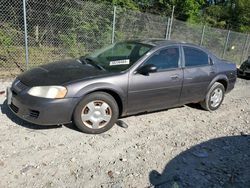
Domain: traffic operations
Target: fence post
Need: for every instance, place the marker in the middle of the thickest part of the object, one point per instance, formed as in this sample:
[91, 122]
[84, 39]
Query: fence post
[245, 46]
[25, 35]
[202, 35]
[113, 29]
[167, 31]
[171, 23]
[226, 42]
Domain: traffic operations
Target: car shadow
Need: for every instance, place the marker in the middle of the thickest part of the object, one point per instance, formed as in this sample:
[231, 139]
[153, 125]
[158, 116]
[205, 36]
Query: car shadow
[6, 111]
[72, 127]
[120, 123]
[154, 112]
[195, 106]
[220, 162]
[15, 119]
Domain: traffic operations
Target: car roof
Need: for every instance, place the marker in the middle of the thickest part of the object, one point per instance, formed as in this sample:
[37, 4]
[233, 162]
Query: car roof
[159, 42]
[162, 42]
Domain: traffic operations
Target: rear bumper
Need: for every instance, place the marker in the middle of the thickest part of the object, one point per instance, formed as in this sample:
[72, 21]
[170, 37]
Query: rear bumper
[43, 111]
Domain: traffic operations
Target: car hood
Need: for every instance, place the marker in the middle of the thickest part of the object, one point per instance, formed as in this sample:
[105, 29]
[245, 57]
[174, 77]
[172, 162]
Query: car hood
[59, 73]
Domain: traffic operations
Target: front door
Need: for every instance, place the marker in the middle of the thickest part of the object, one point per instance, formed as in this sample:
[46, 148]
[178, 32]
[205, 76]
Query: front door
[160, 89]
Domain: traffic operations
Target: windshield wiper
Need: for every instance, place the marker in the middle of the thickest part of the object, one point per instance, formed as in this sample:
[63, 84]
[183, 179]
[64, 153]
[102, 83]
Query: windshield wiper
[92, 62]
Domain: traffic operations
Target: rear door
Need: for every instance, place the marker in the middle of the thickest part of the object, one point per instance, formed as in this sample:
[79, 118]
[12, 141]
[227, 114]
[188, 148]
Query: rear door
[160, 89]
[198, 73]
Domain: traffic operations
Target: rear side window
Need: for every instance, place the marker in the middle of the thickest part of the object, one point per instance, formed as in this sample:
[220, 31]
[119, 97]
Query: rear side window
[195, 57]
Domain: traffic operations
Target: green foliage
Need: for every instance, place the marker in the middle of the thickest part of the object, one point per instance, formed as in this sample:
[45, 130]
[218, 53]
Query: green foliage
[126, 3]
[70, 43]
[9, 38]
[215, 16]
[189, 10]
[232, 14]
[9, 48]
[130, 4]
[5, 39]
[243, 17]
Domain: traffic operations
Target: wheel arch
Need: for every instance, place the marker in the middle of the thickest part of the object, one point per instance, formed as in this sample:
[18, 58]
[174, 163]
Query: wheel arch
[224, 83]
[221, 79]
[116, 93]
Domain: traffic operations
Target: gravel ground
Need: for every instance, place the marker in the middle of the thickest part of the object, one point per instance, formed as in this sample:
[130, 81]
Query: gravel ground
[181, 147]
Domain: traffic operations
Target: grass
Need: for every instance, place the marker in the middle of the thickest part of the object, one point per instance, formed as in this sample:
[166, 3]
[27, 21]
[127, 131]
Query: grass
[12, 59]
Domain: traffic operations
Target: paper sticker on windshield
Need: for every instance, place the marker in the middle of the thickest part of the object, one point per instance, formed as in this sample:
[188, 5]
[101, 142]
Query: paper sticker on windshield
[120, 62]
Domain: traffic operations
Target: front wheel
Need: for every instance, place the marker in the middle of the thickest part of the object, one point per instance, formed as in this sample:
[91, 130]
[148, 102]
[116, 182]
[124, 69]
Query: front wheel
[96, 113]
[214, 97]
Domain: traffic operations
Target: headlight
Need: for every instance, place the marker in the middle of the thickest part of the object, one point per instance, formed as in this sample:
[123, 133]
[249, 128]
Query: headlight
[50, 92]
[243, 66]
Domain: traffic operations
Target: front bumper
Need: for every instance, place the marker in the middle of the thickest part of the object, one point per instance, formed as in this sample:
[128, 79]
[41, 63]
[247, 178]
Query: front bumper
[243, 73]
[42, 111]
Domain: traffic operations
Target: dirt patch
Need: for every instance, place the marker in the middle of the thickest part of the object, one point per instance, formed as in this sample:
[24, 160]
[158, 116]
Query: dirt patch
[181, 147]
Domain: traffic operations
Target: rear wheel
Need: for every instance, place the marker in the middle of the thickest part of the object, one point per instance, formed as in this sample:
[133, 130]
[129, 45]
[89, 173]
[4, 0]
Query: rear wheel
[214, 97]
[96, 113]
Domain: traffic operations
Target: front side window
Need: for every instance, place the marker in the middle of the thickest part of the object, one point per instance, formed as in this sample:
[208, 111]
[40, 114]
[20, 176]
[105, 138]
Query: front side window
[165, 59]
[195, 57]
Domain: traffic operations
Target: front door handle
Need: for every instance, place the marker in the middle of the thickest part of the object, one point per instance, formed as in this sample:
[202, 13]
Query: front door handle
[212, 71]
[175, 77]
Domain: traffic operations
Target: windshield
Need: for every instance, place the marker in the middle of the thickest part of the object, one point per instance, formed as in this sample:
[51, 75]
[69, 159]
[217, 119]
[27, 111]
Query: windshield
[119, 56]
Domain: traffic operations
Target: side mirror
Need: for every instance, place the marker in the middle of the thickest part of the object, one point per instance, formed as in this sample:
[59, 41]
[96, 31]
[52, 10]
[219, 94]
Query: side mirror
[210, 61]
[146, 69]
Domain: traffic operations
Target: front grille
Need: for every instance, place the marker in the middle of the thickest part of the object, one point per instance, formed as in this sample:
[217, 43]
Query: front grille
[34, 114]
[19, 86]
[14, 108]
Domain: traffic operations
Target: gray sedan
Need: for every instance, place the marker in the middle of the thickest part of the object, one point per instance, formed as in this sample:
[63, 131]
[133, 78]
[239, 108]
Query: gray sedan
[122, 79]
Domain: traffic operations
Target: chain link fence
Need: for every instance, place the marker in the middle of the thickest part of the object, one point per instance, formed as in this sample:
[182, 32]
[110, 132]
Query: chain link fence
[12, 51]
[186, 32]
[137, 25]
[66, 29]
[61, 29]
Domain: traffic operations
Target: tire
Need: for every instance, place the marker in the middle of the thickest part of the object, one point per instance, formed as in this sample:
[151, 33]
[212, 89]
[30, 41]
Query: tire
[96, 113]
[214, 97]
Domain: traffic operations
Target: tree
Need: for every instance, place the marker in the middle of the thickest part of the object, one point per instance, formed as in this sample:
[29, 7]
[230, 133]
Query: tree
[230, 14]
[216, 16]
[242, 15]
[185, 9]
[189, 10]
